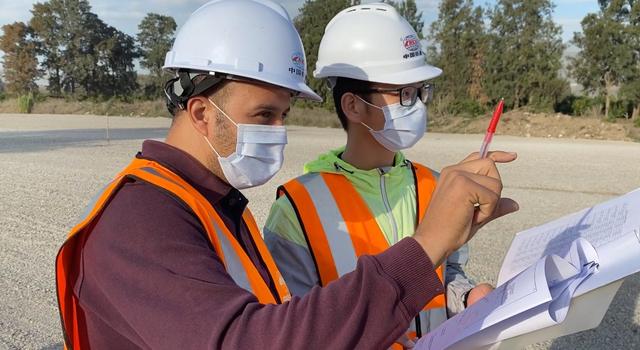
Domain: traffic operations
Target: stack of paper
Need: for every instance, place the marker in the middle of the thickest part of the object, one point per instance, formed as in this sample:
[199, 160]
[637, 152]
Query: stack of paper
[556, 279]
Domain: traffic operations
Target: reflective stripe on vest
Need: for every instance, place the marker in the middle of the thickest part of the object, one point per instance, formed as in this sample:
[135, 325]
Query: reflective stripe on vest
[237, 263]
[339, 227]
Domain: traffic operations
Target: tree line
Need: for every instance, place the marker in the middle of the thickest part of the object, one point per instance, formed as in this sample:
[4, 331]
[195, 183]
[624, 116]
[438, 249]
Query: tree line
[511, 50]
[518, 55]
[81, 56]
[514, 50]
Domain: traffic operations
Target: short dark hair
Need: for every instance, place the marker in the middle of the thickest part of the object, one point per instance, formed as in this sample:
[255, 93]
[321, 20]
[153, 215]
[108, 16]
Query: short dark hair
[341, 87]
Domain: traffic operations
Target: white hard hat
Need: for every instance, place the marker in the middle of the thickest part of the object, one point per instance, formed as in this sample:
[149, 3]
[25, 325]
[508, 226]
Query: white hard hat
[246, 38]
[374, 43]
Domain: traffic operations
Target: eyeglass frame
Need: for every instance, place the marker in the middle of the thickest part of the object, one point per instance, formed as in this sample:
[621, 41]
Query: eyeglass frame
[424, 90]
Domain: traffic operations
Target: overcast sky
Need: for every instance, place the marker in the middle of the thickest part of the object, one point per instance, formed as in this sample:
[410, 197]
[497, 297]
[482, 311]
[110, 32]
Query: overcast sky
[126, 14]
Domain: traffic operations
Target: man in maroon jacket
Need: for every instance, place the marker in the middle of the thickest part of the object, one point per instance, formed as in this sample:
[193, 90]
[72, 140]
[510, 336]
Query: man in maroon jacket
[149, 275]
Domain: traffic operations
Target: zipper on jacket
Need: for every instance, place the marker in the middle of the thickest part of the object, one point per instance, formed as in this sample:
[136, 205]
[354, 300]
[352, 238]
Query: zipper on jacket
[385, 199]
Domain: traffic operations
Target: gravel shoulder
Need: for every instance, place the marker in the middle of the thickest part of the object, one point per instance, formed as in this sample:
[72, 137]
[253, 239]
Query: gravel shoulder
[52, 166]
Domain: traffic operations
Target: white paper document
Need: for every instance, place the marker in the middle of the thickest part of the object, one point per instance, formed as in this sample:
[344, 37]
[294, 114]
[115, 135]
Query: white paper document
[612, 224]
[552, 277]
[540, 294]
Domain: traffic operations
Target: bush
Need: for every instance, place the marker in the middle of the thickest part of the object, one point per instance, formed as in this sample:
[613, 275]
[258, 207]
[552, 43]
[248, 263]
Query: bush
[618, 109]
[25, 103]
[583, 105]
[543, 105]
[317, 117]
[39, 97]
[466, 107]
[565, 106]
[447, 106]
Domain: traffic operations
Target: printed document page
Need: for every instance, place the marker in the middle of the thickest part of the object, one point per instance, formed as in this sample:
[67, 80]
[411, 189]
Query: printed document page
[541, 296]
[536, 298]
[607, 226]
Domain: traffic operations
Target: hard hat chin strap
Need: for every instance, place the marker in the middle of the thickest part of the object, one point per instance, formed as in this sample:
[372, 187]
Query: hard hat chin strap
[181, 88]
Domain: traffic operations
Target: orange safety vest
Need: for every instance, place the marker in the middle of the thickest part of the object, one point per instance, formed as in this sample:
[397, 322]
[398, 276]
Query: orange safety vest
[327, 205]
[237, 262]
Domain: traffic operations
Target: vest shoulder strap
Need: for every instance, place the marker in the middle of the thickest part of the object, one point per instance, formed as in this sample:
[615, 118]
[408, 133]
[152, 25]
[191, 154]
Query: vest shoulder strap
[307, 214]
[425, 181]
[235, 259]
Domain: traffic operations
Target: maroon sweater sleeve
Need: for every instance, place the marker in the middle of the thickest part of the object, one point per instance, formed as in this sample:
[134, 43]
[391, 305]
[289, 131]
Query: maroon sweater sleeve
[151, 280]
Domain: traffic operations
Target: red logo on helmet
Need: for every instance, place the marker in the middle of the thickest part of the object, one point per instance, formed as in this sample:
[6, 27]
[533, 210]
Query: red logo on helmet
[298, 60]
[411, 43]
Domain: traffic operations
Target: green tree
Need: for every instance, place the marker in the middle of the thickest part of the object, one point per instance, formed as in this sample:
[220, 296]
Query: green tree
[606, 58]
[20, 59]
[82, 55]
[459, 48]
[311, 21]
[114, 63]
[526, 53]
[155, 37]
[630, 89]
[79, 29]
[46, 25]
[409, 10]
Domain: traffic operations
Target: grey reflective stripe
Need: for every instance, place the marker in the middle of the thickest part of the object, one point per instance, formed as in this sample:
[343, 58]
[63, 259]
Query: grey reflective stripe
[94, 200]
[232, 263]
[294, 262]
[430, 320]
[436, 317]
[92, 203]
[333, 223]
[154, 172]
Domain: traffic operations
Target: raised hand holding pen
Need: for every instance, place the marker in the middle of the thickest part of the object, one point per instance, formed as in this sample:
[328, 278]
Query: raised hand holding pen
[484, 149]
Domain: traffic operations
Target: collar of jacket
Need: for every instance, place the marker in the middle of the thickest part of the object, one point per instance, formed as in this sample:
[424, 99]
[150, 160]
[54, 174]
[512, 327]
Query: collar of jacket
[364, 180]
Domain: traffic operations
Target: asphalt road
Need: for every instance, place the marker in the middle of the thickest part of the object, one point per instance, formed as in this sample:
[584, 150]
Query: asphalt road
[50, 166]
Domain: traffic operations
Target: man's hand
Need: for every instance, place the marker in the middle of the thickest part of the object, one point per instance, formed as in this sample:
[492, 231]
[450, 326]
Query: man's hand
[478, 292]
[467, 197]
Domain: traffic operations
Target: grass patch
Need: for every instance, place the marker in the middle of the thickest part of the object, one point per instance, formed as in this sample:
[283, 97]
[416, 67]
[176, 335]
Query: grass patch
[317, 117]
[25, 103]
[516, 123]
[112, 107]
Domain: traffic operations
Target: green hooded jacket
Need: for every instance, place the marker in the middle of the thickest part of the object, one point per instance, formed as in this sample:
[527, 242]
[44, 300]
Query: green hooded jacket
[390, 194]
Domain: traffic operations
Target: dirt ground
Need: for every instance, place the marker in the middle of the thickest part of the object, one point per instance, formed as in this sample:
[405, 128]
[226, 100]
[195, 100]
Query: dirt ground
[524, 124]
[52, 165]
[513, 123]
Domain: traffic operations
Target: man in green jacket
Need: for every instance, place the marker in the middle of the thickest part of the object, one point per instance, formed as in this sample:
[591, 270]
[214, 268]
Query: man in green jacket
[377, 70]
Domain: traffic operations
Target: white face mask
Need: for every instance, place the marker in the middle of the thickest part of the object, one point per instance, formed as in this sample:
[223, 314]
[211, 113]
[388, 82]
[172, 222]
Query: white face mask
[403, 126]
[258, 157]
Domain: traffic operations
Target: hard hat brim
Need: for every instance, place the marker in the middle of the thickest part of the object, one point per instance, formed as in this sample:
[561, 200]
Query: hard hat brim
[423, 73]
[307, 93]
[302, 89]
[414, 75]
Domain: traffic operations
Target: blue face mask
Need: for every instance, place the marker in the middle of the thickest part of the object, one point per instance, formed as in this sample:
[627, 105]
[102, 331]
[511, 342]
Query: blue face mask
[258, 156]
[403, 126]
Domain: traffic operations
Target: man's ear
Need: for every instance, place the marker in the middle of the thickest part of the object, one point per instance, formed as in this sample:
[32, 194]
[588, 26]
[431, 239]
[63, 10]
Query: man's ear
[199, 113]
[354, 108]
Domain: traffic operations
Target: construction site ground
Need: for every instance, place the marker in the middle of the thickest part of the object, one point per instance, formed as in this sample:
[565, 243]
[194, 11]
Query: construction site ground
[51, 166]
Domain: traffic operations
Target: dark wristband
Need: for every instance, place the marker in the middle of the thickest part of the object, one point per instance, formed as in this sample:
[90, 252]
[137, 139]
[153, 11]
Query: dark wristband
[465, 296]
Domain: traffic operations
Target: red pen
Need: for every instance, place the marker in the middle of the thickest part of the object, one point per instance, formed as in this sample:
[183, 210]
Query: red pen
[491, 129]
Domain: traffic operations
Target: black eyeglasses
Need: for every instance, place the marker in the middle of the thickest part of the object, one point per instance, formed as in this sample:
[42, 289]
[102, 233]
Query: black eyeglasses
[408, 94]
